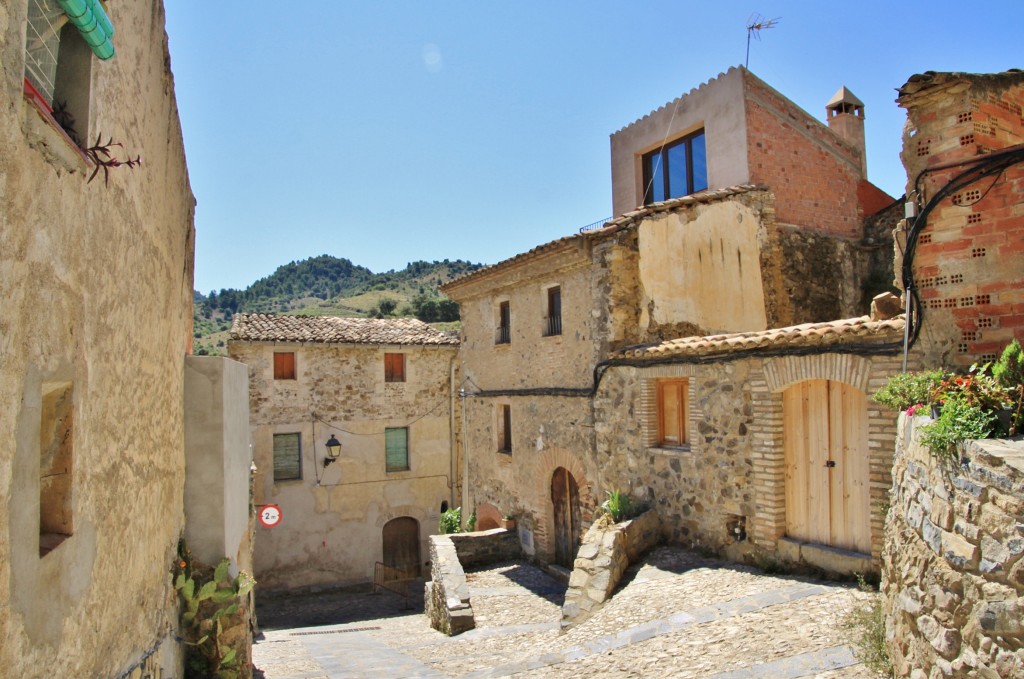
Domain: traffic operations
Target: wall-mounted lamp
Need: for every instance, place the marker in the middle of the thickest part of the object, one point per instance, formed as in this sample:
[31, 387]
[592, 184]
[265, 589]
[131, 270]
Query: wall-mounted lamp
[333, 450]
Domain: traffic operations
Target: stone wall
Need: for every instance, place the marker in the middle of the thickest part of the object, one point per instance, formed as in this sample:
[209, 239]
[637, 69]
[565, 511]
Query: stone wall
[724, 488]
[447, 597]
[333, 517]
[97, 287]
[606, 552]
[953, 575]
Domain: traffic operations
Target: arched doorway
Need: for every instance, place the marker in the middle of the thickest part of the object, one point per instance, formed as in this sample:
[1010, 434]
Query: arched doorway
[825, 439]
[565, 496]
[402, 544]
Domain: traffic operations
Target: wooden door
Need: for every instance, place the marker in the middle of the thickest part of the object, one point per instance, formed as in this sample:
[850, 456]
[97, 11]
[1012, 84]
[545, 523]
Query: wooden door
[565, 496]
[402, 544]
[825, 437]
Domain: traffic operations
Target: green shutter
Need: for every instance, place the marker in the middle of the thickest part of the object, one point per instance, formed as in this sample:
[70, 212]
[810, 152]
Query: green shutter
[287, 457]
[396, 449]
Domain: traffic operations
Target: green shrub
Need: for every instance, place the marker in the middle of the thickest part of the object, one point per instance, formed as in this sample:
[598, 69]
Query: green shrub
[1009, 369]
[960, 420]
[909, 389]
[451, 521]
[619, 506]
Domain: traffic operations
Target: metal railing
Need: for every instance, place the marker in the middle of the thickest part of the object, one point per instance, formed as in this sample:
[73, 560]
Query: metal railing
[599, 224]
[552, 325]
[395, 580]
[502, 335]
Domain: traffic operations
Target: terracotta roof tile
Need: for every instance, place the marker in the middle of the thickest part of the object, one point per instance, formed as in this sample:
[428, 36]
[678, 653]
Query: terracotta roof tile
[335, 330]
[861, 330]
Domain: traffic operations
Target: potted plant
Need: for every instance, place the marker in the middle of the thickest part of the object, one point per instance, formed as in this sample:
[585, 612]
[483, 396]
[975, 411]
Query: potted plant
[508, 522]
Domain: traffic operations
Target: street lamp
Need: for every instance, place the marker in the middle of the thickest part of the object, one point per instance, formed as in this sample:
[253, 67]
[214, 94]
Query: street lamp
[333, 450]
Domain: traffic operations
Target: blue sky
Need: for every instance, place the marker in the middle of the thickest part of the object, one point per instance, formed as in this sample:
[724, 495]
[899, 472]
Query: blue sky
[392, 131]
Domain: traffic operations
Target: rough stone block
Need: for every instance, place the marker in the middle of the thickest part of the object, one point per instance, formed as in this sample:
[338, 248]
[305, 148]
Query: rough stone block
[959, 552]
[932, 535]
[1002, 617]
[941, 514]
[588, 550]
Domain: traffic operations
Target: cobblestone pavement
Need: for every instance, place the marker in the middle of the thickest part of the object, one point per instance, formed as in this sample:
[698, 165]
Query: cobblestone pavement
[677, 615]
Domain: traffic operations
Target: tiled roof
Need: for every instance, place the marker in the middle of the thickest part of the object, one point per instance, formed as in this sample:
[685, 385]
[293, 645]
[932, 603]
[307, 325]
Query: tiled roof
[612, 225]
[335, 330]
[861, 330]
[931, 79]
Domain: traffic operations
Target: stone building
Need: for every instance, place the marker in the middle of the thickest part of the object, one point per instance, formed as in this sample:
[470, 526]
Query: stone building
[753, 216]
[953, 573]
[382, 389]
[96, 325]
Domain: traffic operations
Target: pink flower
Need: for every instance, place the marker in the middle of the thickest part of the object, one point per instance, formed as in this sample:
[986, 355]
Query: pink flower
[914, 408]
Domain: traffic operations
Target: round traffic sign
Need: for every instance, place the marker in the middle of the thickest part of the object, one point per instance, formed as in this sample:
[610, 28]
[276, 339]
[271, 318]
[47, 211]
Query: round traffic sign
[270, 515]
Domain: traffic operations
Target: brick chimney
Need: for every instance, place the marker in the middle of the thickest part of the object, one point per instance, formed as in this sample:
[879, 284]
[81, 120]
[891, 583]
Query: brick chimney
[846, 119]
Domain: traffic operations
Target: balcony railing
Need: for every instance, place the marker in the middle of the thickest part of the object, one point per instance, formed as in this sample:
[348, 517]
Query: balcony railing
[596, 225]
[552, 326]
[503, 335]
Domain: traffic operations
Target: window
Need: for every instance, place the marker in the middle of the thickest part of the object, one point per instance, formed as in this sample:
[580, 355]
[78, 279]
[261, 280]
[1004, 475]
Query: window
[676, 169]
[553, 320]
[394, 367]
[58, 60]
[396, 449]
[504, 332]
[672, 411]
[287, 457]
[504, 428]
[284, 365]
[55, 465]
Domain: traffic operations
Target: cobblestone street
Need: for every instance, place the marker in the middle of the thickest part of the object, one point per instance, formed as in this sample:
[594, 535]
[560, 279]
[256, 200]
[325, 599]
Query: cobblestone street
[679, 615]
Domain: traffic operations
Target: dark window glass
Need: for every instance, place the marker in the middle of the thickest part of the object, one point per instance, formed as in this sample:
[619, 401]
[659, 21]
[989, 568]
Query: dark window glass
[678, 176]
[699, 156]
[677, 169]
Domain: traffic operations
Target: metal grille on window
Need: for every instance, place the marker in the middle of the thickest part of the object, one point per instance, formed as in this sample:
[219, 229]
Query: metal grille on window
[396, 448]
[42, 41]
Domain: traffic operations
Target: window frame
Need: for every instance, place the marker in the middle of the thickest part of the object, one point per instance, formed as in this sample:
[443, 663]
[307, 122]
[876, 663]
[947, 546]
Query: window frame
[387, 465]
[682, 412]
[280, 373]
[394, 367]
[298, 456]
[504, 428]
[553, 312]
[664, 170]
[503, 327]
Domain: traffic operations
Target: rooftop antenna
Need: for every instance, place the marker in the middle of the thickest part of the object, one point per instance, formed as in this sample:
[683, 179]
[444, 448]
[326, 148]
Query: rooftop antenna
[755, 24]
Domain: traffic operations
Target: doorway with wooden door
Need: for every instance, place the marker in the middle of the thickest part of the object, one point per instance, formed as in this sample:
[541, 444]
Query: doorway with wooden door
[825, 438]
[565, 497]
[402, 544]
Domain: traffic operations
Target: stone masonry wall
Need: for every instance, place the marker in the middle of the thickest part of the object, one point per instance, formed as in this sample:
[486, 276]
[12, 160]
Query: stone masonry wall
[953, 575]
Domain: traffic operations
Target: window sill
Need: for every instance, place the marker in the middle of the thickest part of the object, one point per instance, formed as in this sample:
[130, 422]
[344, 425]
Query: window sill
[50, 541]
[397, 471]
[503, 452]
[45, 135]
[670, 450]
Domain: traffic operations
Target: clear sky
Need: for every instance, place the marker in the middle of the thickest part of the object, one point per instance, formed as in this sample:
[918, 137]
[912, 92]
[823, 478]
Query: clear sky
[388, 131]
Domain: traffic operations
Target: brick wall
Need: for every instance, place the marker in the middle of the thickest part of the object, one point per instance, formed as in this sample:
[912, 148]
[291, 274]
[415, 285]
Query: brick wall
[968, 266]
[812, 172]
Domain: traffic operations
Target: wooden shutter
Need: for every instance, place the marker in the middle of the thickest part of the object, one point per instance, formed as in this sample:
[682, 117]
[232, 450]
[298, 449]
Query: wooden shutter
[396, 449]
[287, 457]
[506, 428]
[394, 367]
[284, 365]
[672, 412]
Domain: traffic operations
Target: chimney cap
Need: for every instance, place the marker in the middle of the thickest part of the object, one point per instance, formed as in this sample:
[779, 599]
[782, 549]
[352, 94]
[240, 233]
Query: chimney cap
[844, 97]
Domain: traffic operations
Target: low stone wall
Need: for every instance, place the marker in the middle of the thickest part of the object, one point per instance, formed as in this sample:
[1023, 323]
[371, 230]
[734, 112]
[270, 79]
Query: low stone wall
[605, 554]
[953, 572]
[447, 594]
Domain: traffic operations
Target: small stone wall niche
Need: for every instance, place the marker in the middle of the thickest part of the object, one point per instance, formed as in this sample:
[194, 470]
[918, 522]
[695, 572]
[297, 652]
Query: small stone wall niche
[447, 599]
[953, 563]
[606, 552]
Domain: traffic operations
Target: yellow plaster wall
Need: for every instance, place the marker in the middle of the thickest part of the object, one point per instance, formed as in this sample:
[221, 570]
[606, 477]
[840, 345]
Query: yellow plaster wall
[703, 270]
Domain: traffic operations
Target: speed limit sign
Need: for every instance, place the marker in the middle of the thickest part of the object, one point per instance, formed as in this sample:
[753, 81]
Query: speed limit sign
[270, 515]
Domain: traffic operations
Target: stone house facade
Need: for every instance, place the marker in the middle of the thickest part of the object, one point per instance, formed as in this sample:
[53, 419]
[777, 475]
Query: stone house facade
[383, 389]
[96, 325]
[550, 415]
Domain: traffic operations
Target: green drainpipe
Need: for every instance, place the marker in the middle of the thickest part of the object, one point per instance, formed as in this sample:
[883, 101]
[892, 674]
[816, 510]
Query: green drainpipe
[92, 22]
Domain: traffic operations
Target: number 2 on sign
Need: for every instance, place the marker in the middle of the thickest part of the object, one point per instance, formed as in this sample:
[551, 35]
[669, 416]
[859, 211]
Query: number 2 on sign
[270, 515]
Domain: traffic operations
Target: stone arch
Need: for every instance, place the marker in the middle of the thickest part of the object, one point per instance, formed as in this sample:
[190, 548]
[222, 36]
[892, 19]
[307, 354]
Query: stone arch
[782, 372]
[487, 517]
[400, 544]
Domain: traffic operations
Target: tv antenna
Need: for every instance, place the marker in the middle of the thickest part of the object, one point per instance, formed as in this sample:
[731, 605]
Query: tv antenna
[755, 24]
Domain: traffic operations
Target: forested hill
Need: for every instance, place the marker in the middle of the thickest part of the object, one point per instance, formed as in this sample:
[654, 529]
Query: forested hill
[327, 285]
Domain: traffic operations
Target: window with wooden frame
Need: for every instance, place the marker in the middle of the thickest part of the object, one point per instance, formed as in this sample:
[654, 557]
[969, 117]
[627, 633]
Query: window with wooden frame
[672, 395]
[503, 332]
[676, 169]
[287, 457]
[504, 417]
[553, 320]
[394, 367]
[396, 449]
[284, 365]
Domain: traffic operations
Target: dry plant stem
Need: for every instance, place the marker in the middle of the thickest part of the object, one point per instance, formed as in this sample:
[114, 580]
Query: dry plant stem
[103, 156]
